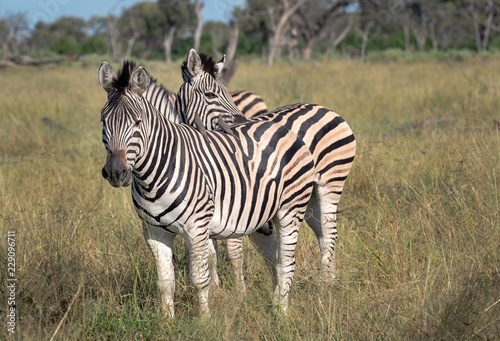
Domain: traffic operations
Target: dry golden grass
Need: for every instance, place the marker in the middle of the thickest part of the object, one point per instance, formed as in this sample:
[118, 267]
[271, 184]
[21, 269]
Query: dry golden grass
[419, 225]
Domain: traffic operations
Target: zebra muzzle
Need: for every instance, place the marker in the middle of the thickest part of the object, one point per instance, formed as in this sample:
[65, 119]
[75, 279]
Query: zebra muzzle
[116, 171]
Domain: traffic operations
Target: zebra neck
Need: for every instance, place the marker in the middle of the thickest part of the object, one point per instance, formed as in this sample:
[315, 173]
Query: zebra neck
[163, 101]
[158, 151]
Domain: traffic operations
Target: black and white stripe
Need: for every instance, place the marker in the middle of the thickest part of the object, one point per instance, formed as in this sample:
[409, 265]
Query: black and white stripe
[201, 187]
[249, 103]
[328, 137]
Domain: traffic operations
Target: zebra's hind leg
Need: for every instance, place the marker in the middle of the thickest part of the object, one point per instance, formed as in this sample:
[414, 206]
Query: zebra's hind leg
[161, 244]
[322, 218]
[213, 262]
[234, 249]
[287, 226]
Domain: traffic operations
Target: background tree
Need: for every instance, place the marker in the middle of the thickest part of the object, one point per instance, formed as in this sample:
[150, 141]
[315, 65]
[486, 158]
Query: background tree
[278, 16]
[254, 29]
[142, 23]
[66, 35]
[484, 16]
[177, 14]
[198, 6]
[316, 21]
[219, 33]
[16, 30]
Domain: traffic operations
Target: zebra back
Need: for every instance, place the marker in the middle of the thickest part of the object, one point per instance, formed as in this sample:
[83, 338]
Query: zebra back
[249, 103]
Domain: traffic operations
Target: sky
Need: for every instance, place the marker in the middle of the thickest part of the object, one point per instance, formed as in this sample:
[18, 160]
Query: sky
[50, 10]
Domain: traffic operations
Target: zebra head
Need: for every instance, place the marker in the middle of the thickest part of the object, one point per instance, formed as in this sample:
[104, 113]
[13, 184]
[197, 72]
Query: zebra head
[203, 101]
[122, 120]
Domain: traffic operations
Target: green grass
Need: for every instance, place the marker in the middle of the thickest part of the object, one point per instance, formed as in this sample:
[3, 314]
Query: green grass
[419, 228]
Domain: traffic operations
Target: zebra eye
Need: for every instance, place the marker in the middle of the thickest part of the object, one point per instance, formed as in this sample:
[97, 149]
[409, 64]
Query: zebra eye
[137, 123]
[210, 95]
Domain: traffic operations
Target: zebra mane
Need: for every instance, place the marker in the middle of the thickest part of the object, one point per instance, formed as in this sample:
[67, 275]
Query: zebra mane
[120, 82]
[122, 79]
[207, 63]
[160, 87]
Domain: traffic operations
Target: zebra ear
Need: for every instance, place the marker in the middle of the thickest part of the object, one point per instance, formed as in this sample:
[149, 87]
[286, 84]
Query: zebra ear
[219, 66]
[106, 77]
[139, 81]
[193, 63]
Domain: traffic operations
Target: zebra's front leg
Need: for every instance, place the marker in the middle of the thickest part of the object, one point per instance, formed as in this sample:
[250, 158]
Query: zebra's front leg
[234, 249]
[288, 230]
[199, 271]
[161, 244]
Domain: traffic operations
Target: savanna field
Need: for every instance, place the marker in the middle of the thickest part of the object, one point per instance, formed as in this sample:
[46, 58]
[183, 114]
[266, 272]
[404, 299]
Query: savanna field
[419, 224]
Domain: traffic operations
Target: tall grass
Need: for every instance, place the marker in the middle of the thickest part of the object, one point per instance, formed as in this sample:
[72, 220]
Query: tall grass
[419, 224]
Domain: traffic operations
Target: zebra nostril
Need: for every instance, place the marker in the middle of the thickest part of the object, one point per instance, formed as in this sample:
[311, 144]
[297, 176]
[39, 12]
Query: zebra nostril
[123, 174]
[104, 173]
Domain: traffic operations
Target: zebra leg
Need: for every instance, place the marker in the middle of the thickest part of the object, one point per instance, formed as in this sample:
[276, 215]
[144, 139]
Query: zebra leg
[267, 247]
[161, 244]
[323, 222]
[199, 271]
[213, 261]
[234, 249]
[287, 224]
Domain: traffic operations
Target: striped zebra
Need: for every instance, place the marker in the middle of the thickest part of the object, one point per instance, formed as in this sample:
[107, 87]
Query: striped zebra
[202, 186]
[249, 103]
[160, 98]
[327, 135]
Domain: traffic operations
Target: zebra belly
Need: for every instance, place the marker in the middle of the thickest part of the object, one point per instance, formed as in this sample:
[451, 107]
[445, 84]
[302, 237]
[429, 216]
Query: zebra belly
[246, 214]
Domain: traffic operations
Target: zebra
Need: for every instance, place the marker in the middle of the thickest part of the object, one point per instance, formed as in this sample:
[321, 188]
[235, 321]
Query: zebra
[202, 186]
[160, 98]
[249, 103]
[328, 137]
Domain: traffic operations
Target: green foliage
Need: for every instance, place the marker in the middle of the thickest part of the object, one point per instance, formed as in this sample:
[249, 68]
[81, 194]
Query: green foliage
[418, 224]
[94, 45]
[66, 46]
[4, 53]
[398, 55]
[43, 53]
[248, 45]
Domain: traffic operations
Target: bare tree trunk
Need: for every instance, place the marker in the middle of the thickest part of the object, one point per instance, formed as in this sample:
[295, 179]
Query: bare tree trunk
[339, 39]
[233, 40]
[487, 31]
[131, 41]
[477, 33]
[432, 34]
[406, 32]
[365, 40]
[199, 24]
[306, 52]
[168, 40]
[230, 64]
[114, 36]
[277, 28]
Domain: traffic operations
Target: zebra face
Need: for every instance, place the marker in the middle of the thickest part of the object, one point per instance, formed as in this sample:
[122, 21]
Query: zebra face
[121, 135]
[203, 99]
[122, 121]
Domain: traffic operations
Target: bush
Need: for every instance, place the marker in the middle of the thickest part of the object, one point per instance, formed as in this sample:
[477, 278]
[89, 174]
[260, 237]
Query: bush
[66, 46]
[94, 46]
[398, 55]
